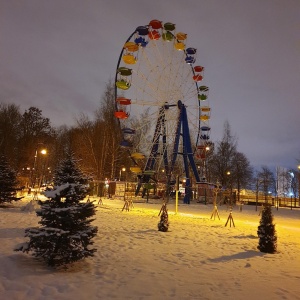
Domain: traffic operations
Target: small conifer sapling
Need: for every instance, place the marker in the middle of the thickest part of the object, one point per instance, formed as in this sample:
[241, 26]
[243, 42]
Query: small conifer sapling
[163, 224]
[266, 231]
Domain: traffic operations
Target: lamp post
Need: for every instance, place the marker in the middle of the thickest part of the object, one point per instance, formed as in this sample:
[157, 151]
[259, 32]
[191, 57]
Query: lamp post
[47, 175]
[258, 183]
[33, 170]
[121, 170]
[230, 185]
[44, 153]
[35, 165]
[230, 218]
[205, 171]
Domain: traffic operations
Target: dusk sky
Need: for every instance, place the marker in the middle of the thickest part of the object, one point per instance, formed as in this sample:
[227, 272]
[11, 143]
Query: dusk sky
[58, 55]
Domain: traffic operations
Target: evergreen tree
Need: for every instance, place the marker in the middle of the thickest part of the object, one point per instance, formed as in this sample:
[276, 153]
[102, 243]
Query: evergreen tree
[66, 232]
[8, 182]
[266, 231]
[163, 224]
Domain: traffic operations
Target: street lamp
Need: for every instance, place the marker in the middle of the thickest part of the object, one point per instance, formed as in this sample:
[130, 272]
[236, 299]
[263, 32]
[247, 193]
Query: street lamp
[122, 170]
[228, 179]
[34, 169]
[41, 177]
[230, 218]
[229, 185]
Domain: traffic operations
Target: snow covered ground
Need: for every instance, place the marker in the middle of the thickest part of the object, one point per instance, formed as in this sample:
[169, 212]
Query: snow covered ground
[198, 258]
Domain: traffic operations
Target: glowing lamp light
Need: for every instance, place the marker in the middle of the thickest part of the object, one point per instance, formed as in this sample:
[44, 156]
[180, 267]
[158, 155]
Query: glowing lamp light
[121, 170]
[44, 151]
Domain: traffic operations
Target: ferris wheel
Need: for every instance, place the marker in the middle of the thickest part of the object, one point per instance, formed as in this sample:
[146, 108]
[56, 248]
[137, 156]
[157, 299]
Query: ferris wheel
[161, 106]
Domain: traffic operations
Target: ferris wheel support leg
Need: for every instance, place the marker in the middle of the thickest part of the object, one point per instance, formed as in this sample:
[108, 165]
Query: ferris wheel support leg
[187, 155]
[187, 143]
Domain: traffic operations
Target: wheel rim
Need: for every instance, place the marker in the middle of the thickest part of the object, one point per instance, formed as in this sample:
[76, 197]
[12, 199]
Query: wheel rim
[155, 71]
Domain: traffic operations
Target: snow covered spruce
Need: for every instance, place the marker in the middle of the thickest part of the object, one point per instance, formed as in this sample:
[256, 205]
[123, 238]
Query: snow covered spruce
[266, 231]
[8, 182]
[66, 232]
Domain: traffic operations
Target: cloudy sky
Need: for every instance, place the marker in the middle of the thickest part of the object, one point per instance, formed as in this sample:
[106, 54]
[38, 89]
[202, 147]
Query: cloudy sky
[58, 55]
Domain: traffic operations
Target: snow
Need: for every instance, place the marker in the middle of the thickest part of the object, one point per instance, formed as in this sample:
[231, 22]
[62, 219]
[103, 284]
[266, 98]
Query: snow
[198, 258]
[58, 189]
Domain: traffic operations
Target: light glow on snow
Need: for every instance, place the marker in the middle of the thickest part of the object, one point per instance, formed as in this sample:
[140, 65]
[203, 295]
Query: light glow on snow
[197, 258]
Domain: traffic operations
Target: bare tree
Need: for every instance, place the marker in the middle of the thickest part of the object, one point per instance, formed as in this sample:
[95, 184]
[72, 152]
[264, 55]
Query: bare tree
[222, 160]
[57, 148]
[141, 130]
[266, 180]
[111, 132]
[97, 142]
[88, 145]
[34, 130]
[10, 118]
[241, 172]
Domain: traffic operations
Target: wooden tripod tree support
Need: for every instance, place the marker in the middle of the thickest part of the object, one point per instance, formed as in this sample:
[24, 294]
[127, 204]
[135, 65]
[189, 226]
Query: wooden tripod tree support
[215, 211]
[100, 202]
[163, 209]
[128, 203]
[230, 219]
[35, 196]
